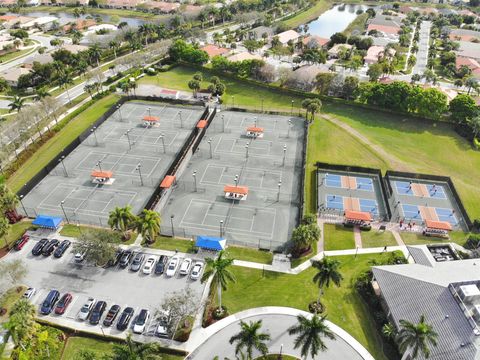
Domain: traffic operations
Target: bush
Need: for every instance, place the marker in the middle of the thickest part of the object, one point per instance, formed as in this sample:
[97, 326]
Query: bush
[476, 143]
[473, 241]
[476, 224]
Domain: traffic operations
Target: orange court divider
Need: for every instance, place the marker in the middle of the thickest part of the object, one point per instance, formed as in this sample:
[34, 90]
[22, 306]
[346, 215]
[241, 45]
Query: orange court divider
[345, 182]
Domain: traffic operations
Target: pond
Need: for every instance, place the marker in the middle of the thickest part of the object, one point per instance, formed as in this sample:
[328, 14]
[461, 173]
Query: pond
[335, 20]
[64, 17]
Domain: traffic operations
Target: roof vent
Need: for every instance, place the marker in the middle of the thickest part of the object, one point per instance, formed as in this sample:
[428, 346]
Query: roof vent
[447, 316]
[462, 344]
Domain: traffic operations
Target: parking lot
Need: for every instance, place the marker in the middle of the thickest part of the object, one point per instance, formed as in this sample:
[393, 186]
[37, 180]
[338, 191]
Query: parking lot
[137, 155]
[113, 285]
[268, 166]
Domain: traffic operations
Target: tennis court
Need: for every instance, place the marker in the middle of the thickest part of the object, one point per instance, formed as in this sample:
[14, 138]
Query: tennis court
[134, 147]
[420, 189]
[348, 182]
[422, 213]
[267, 168]
[348, 203]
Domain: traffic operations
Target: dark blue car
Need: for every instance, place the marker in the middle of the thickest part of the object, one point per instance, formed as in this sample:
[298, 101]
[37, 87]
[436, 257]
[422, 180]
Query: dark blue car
[49, 302]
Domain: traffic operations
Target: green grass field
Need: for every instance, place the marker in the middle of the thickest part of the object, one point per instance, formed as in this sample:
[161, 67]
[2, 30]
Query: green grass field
[375, 238]
[337, 237]
[343, 305]
[308, 15]
[248, 254]
[9, 298]
[12, 55]
[417, 239]
[16, 230]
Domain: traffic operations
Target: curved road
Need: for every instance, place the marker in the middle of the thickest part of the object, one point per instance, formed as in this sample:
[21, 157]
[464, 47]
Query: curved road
[275, 321]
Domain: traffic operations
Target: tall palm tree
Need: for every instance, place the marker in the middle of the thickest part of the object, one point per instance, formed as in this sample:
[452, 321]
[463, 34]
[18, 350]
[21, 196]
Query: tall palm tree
[65, 78]
[250, 339]
[219, 269]
[17, 104]
[148, 224]
[41, 93]
[475, 125]
[416, 338]
[94, 54]
[21, 325]
[327, 272]
[114, 45]
[310, 333]
[4, 229]
[132, 350]
[121, 219]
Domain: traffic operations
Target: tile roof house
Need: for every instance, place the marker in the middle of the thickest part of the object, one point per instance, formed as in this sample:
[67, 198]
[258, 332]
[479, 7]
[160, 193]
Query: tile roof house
[214, 50]
[244, 56]
[436, 290]
[472, 64]
[162, 7]
[383, 29]
[257, 33]
[375, 53]
[314, 41]
[13, 74]
[122, 4]
[79, 24]
[468, 49]
[333, 51]
[464, 35]
[286, 36]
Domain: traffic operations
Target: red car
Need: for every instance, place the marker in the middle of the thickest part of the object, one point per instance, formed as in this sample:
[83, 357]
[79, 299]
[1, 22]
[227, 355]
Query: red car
[62, 305]
[20, 243]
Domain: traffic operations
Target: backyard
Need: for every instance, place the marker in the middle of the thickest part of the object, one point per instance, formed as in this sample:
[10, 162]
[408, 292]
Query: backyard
[337, 237]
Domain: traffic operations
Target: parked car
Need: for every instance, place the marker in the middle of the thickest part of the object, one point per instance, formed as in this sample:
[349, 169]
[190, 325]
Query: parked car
[97, 312]
[29, 293]
[172, 266]
[86, 309]
[160, 267]
[20, 243]
[79, 257]
[185, 267]
[149, 265]
[50, 247]
[60, 250]
[37, 249]
[116, 259]
[137, 262]
[49, 302]
[62, 305]
[162, 327]
[111, 315]
[196, 271]
[141, 321]
[125, 318]
[125, 259]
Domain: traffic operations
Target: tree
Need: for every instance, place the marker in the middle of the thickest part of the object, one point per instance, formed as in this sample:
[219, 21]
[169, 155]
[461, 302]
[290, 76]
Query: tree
[474, 123]
[462, 107]
[338, 38]
[249, 338]
[90, 88]
[94, 54]
[310, 333]
[122, 219]
[98, 246]
[304, 236]
[17, 104]
[85, 354]
[4, 85]
[415, 78]
[194, 85]
[13, 272]
[148, 225]
[375, 71]
[471, 83]
[350, 86]
[41, 93]
[65, 78]
[198, 76]
[416, 338]
[132, 350]
[21, 324]
[312, 106]
[432, 104]
[221, 275]
[327, 272]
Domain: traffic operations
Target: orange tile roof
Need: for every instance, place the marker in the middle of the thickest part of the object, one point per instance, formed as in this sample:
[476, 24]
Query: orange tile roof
[201, 124]
[441, 225]
[236, 189]
[358, 215]
[151, 118]
[464, 61]
[167, 181]
[384, 28]
[213, 50]
[102, 174]
[255, 129]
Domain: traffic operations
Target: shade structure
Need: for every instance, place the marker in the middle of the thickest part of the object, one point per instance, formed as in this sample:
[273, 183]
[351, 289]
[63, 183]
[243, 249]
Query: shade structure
[202, 124]
[254, 129]
[358, 215]
[235, 189]
[47, 222]
[151, 119]
[210, 243]
[168, 181]
[439, 225]
[102, 174]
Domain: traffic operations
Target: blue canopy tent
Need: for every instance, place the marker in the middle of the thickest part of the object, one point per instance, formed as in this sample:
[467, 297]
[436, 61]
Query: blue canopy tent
[47, 222]
[210, 243]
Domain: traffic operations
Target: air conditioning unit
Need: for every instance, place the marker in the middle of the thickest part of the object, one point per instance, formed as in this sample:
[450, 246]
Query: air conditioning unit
[476, 313]
[469, 293]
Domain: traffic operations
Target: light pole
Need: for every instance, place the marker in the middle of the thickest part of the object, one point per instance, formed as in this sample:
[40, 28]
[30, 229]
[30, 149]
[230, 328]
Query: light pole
[94, 134]
[138, 168]
[149, 109]
[99, 164]
[181, 118]
[23, 206]
[255, 121]
[236, 180]
[246, 151]
[223, 122]
[284, 154]
[289, 124]
[262, 104]
[171, 222]
[291, 110]
[221, 228]
[210, 143]
[63, 209]
[162, 136]
[233, 101]
[119, 112]
[279, 186]
[195, 180]
[63, 164]
[128, 138]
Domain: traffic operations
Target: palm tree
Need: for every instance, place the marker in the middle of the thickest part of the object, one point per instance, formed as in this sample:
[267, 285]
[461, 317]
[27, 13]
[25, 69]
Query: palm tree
[132, 350]
[121, 219]
[90, 88]
[250, 339]
[148, 225]
[219, 269]
[416, 338]
[475, 125]
[41, 93]
[114, 46]
[327, 272]
[64, 79]
[310, 333]
[194, 85]
[17, 104]
[4, 229]
[311, 106]
[21, 325]
[76, 36]
[95, 53]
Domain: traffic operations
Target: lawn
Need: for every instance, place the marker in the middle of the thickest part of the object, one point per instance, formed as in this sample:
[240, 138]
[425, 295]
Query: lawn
[421, 146]
[9, 298]
[297, 261]
[172, 244]
[343, 305]
[337, 237]
[309, 14]
[93, 11]
[16, 230]
[375, 238]
[248, 254]
[57, 143]
[409, 238]
[357, 25]
[14, 54]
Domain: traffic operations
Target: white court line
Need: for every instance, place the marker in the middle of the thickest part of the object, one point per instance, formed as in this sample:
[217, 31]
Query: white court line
[54, 190]
[235, 230]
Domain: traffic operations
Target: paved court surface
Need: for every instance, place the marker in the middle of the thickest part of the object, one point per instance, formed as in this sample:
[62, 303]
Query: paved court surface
[340, 190]
[120, 144]
[417, 200]
[270, 167]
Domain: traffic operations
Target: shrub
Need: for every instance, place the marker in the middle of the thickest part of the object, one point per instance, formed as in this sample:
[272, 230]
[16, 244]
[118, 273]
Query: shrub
[473, 241]
[476, 143]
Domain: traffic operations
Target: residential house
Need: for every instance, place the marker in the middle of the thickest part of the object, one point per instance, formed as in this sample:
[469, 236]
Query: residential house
[384, 29]
[244, 56]
[79, 24]
[100, 27]
[464, 35]
[304, 77]
[469, 49]
[472, 64]
[40, 22]
[314, 41]
[446, 292]
[15, 21]
[375, 53]
[44, 58]
[161, 7]
[122, 4]
[258, 33]
[13, 74]
[286, 36]
[386, 24]
[214, 50]
[75, 49]
[8, 3]
[334, 51]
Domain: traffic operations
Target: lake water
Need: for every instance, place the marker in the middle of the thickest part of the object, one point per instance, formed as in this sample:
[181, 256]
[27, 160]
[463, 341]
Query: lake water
[65, 17]
[334, 20]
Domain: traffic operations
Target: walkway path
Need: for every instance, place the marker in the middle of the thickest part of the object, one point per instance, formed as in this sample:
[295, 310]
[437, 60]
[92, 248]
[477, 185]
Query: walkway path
[423, 44]
[214, 340]
[321, 240]
[357, 236]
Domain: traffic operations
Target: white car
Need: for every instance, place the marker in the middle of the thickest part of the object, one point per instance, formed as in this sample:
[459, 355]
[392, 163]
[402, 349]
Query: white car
[185, 267]
[141, 321]
[162, 326]
[196, 271]
[86, 309]
[79, 257]
[29, 293]
[149, 265]
[172, 266]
